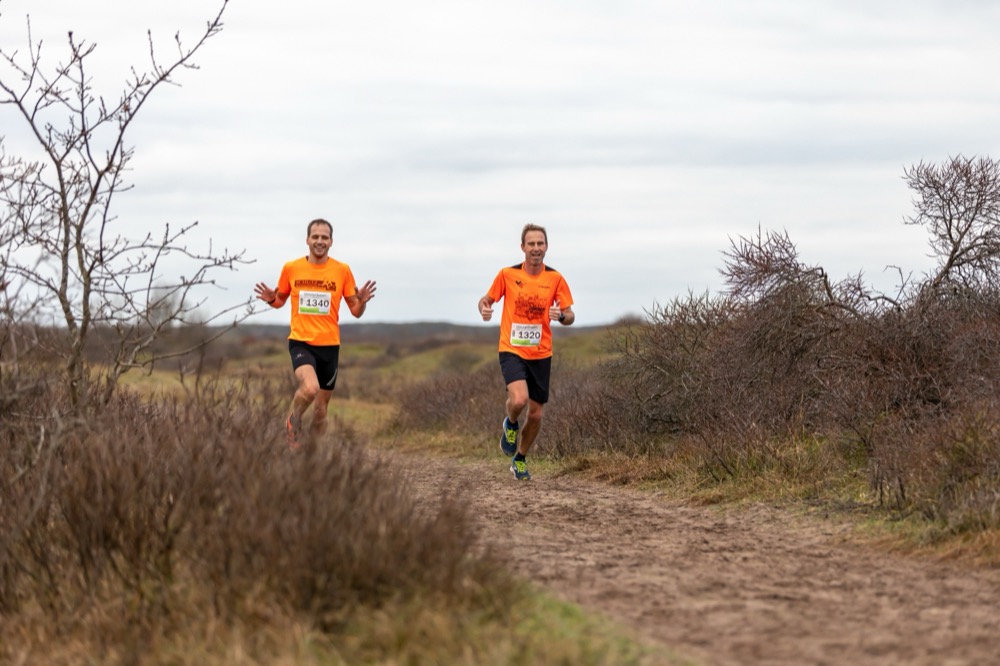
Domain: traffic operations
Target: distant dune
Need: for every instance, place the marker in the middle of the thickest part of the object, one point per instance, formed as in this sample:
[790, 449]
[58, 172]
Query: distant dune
[408, 332]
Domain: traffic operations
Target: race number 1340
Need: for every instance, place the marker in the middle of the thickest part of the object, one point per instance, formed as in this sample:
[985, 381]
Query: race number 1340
[314, 302]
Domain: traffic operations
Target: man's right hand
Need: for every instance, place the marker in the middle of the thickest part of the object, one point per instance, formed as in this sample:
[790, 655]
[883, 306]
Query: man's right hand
[486, 309]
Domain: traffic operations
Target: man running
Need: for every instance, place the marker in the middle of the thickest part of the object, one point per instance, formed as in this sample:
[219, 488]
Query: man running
[533, 296]
[316, 284]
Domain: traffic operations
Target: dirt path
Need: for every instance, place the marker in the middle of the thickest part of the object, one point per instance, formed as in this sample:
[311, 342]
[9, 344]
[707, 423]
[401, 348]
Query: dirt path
[757, 586]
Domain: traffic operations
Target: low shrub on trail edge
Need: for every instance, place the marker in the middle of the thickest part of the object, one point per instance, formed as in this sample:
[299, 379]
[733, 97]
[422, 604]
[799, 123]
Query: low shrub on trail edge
[137, 515]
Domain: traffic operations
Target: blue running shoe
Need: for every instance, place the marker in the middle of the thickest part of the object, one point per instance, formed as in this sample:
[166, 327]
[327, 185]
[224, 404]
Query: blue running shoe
[520, 470]
[508, 440]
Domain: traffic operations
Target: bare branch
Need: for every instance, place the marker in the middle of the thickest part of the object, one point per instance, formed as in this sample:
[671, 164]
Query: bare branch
[959, 204]
[73, 255]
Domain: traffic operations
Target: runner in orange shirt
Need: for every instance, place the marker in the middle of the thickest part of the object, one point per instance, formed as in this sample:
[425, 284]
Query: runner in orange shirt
[315, 284]
[534, 295]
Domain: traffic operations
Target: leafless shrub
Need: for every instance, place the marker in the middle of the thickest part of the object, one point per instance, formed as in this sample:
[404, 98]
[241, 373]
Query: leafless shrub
[741, 369]
[66, 260]
[787, 355]
[462, 401]
[144, 503]
[959, 204]
[956, 469]
[589, 412]
[791, 355]
[657, 369]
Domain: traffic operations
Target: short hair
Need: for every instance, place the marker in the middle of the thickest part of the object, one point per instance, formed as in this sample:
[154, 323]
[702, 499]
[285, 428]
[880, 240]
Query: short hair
[533, 227]
[318, 220]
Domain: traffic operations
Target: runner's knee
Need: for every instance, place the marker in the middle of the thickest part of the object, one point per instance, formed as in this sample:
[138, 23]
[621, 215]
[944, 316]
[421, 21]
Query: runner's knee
[308, 390]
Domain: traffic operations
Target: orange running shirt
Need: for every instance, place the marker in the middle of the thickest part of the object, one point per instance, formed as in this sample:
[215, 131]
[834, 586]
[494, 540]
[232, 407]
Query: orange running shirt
[315, 291]
[525, 328]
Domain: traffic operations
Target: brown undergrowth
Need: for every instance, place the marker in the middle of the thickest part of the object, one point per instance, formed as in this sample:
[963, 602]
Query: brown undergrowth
[150, 523]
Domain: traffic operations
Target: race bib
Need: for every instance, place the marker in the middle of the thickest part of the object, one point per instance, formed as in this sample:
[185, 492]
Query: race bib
[525, 335]
[314, 303]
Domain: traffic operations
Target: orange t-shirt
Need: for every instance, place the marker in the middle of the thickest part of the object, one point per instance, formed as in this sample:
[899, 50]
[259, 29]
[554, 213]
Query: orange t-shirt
[315, 291]
[525, 328]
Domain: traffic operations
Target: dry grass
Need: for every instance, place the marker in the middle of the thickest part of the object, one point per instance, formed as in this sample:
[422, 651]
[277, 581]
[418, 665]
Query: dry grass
[174, 527]
[913, 536]
[200, 494]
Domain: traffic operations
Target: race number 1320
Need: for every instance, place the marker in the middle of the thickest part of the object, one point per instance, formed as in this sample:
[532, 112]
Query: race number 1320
[525, 335]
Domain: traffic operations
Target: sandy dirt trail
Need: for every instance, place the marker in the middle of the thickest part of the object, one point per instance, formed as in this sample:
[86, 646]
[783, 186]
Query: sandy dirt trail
[744, 586]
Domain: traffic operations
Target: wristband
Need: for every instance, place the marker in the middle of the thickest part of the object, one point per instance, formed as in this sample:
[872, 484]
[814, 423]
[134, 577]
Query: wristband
[562, 317]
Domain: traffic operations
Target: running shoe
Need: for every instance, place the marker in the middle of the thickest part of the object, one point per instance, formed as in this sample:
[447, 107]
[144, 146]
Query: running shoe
[520, 470]
[292, 432]
[508, 440]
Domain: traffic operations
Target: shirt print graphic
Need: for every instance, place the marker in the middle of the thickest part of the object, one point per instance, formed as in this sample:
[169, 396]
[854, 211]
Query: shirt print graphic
[529, 308]
[325, 285]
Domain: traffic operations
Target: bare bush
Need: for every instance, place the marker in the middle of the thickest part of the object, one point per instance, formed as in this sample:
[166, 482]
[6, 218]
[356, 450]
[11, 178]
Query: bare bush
[959, 204]
[67, 261]
[145, 504]
[656, 366]
[787, 355]
[955, 471]
[461, 401]
[588, 413]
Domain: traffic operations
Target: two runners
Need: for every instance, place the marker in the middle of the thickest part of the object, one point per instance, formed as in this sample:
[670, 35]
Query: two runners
[315, 284]
[534, 295]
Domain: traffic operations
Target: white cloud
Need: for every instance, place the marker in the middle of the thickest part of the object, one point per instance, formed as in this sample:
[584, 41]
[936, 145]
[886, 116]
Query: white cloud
[644, 134]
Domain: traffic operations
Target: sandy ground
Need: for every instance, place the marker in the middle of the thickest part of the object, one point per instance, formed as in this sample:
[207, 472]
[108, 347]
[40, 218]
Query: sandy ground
[746, 586]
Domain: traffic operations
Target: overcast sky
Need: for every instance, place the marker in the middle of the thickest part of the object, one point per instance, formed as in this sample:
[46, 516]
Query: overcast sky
[645, 135]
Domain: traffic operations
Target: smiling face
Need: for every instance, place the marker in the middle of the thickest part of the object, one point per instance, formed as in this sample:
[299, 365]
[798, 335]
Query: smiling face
[534, 246]
[318, 239]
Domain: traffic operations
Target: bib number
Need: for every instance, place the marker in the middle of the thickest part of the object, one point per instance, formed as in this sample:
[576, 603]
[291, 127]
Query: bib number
[525, 335]
[314, 303]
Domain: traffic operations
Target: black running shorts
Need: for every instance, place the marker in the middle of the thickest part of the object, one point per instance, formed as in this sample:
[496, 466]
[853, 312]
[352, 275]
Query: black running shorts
[535, 372]
[324, 360]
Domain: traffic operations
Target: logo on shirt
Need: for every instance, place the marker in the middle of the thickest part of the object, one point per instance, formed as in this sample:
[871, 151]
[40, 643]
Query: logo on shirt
[325, 285]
